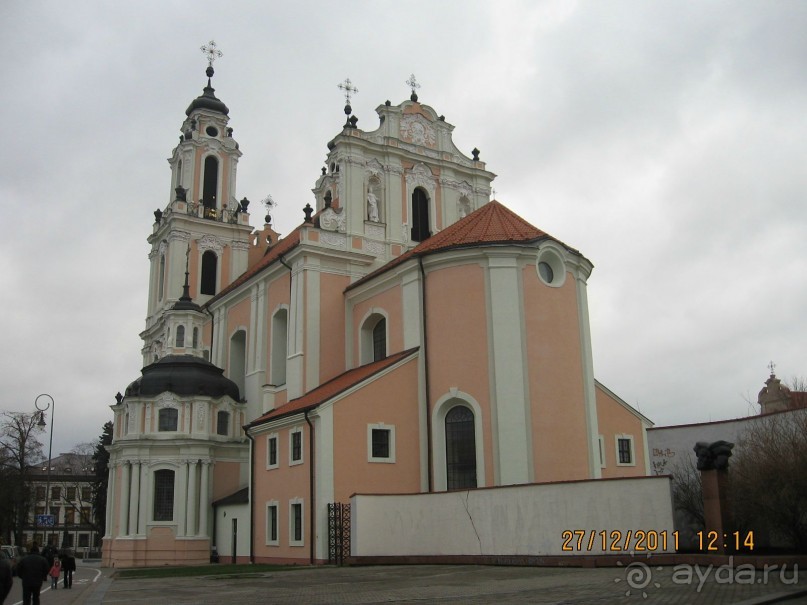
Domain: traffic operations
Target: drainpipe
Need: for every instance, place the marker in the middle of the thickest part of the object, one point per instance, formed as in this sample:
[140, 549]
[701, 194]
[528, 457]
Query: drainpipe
[311, 497]
[251, 494]
[425, 350]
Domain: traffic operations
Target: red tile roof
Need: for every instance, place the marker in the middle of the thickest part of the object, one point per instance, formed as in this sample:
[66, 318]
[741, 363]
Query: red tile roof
[333, 387]
[273, 254]
[493, 223]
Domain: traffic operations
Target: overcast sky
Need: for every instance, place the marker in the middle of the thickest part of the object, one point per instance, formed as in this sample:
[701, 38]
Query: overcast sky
[665, 140]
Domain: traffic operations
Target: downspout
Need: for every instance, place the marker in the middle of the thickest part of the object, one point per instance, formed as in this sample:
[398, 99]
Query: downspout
[311, 497]
[251, 494]
[426, 372]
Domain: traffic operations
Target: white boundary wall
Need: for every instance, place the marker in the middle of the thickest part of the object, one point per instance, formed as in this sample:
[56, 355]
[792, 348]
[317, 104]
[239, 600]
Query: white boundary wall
[512, 520]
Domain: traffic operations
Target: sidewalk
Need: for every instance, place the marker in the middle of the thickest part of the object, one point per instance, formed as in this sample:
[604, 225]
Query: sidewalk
[464, 584]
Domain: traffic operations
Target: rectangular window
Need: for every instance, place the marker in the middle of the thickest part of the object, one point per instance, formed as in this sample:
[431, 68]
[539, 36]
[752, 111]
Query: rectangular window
[223, 423]
[271, 451]
[164, 495]
[68, 516]
[86, 493]
[296, 446]
[168, 419]
[55, 493]
[40, 493]
[624, 449]
[83, 540]
[71, 493]
[271, 523]
[296, 519]
[380, 443]
[86, 515]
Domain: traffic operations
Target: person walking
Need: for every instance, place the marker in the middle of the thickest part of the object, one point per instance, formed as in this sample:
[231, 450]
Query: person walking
[68, 566]
[6, 579]
[32, 571]
[54, 573]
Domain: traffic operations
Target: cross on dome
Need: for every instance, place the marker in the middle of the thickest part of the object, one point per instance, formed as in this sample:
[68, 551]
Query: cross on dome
[413, 84]
[772, 367]
[211, 51]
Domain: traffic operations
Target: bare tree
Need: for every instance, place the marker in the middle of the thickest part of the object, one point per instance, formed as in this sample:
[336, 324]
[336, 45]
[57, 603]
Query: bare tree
[768, 482]
[20, 449]
[687, 490]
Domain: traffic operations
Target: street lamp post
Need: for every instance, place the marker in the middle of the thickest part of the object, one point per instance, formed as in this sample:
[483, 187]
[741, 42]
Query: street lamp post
[52, 406]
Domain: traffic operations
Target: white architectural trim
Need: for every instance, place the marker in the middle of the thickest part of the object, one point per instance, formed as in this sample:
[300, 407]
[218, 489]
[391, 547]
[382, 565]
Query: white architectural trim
[292, 431]
[629, 438]
[301, 503]
[276, 437]
[269, 541]
[366, 335]
[441, 408]
[383, 427]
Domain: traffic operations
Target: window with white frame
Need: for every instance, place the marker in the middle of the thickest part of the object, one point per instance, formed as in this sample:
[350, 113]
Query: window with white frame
[272, 520]
[271, 451]
[295, 446]
[296, 522]
[601, 443]
[380, 443]
[168, 419]
[624, 450]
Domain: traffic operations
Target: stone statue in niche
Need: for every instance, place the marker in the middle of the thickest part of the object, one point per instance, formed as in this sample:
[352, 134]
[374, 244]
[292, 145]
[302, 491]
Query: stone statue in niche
[465, 207]
[372, 207]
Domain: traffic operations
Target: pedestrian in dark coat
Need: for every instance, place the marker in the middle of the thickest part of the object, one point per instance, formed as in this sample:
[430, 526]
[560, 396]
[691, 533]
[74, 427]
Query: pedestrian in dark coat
[68, 567]
[32, 571]
[6, 579]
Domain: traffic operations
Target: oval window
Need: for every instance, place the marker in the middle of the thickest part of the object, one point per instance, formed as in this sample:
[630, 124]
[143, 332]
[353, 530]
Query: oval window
[546, 273]
[211, 131]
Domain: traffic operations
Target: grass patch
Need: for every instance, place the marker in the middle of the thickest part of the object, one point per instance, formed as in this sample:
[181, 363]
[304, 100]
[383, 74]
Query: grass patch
[201, 570]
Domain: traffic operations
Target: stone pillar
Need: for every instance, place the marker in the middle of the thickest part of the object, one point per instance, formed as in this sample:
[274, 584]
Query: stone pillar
[193, 498]
[110, 499]
[713, 463]
[204, 497]
[123, 530]
[134, 499]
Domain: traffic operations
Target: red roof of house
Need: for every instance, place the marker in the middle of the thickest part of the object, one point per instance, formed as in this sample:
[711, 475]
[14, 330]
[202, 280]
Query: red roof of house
[493, 223]
[333, 387]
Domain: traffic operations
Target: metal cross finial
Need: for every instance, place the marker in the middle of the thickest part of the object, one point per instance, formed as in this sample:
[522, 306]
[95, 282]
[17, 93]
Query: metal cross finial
[348, 88]
[772, 367]
[412, 83]
[211, 50]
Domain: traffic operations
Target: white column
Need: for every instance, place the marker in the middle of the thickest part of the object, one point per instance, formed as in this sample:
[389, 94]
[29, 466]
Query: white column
[193, 498]
[204, 497]
[123, 530]
[181, 497]
[592, 425]
[134, 500]
[145, 497]
[110, 498]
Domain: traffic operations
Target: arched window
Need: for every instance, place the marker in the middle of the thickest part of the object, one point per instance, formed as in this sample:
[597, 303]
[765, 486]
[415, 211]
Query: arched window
[180, 337]
[168, 419]
[161, 283]
[420, 215]
[211, 182]
[460, 448]
[209, 268]
[238, 359]
[373, 339]
[196, 338]
[380, 340]
[280, 334]
[179, 173]
[223, 423]
[164, 495]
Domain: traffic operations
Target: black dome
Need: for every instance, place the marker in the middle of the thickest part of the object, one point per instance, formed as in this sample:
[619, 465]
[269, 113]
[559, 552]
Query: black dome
[207, 100]
[183, 375]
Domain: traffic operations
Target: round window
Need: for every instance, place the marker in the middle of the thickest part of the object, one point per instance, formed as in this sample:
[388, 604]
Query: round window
[211, 131]
[546, 273]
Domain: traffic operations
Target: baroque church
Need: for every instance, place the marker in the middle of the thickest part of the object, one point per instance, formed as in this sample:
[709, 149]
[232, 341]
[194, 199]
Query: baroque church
[411, 335]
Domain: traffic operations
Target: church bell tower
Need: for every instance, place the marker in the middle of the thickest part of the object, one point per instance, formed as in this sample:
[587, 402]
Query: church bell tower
[203, 228]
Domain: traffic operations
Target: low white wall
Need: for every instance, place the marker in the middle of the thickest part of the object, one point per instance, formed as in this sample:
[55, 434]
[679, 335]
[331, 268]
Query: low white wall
[513, 520]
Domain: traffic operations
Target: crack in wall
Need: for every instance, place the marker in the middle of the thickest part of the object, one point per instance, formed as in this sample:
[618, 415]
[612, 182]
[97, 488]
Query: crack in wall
[470, 517]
